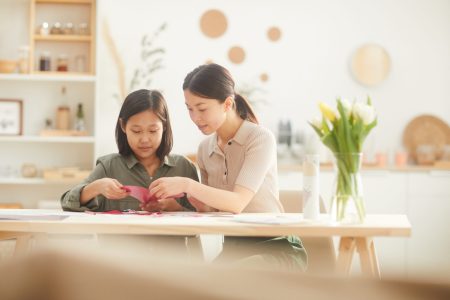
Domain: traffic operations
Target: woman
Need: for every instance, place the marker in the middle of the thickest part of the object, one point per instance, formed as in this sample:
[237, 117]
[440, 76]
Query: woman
[238, 165]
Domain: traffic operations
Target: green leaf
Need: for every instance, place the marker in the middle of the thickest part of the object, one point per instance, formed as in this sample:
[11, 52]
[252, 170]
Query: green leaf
[317, 130]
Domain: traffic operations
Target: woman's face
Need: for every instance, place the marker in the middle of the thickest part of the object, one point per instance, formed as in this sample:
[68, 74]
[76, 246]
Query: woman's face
[144, 134]
[207, 114]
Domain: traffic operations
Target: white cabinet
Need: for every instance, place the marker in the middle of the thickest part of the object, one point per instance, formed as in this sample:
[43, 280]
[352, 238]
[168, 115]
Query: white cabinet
[423, 195]
[429, 213]
[385, 193]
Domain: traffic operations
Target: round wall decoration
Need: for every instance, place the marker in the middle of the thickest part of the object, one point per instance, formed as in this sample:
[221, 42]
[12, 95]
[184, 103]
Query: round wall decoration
[236, 55]
[264, 77]
[213, 23]
[370, 64]
[274, 34]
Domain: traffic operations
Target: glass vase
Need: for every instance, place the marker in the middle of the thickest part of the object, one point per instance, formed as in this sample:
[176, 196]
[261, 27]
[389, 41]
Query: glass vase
[347, 204]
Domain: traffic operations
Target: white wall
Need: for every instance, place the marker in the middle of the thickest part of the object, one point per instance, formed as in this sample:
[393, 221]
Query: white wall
[310, 63]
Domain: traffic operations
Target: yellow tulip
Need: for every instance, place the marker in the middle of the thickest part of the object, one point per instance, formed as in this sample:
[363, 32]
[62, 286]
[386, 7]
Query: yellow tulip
[327, 112]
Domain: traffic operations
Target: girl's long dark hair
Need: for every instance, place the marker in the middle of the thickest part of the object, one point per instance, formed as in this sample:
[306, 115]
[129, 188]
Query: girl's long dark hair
[213, 81]
[139, 101]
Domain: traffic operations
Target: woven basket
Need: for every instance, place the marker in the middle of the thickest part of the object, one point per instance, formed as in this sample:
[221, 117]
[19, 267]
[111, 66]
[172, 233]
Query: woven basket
[426, 130]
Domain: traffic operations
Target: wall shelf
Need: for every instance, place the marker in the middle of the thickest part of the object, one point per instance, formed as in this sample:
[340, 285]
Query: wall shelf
[34, 181]
[63, 38]
[49, 139]
[49, 76]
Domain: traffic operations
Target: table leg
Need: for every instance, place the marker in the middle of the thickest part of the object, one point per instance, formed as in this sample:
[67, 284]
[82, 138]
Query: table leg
[22, 240]
[368, 257]
[375, 264]
[22, 244]
[345, 255]
[195, 249]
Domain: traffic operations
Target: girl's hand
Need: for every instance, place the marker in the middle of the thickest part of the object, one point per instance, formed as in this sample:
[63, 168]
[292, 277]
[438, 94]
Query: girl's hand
[200, 206]
[111, 188]
[167, 187]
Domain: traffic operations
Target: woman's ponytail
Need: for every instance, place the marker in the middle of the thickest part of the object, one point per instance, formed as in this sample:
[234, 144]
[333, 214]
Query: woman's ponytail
[244, 109]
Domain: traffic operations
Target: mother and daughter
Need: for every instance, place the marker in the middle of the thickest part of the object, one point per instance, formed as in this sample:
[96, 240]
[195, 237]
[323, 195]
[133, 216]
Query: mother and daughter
[237, 162]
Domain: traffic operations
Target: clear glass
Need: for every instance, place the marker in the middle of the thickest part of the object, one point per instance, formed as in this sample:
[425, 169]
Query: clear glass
[347, 204]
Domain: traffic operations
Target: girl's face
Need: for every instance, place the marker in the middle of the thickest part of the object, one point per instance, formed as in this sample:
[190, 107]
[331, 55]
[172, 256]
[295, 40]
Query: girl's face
[144, 134]
[207, 114]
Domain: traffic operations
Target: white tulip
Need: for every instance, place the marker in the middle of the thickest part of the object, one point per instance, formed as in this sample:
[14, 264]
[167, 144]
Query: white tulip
[364, 112]
[317, 122]
[347, 106]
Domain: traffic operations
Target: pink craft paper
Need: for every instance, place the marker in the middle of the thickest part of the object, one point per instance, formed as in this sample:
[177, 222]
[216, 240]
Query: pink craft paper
[140, 193]
[143, 194]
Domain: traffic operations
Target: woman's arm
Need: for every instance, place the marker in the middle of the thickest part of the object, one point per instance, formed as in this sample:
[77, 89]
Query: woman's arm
[232, 201]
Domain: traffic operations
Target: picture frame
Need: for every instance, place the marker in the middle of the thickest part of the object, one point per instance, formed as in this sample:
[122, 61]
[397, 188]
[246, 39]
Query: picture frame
[11, 117]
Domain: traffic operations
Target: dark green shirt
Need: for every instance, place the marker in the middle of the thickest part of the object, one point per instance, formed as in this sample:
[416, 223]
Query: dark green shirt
[128, 171]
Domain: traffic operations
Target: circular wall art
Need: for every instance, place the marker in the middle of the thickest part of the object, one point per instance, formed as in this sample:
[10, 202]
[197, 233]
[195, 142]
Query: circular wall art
[274, 34]
[213, 23]
[236, 55]
[264, 77]
[370, 64]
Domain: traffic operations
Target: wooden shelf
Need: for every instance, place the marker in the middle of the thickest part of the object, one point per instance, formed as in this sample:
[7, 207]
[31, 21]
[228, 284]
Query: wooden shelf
[35, 181]
[49, 139]
[65, 1]
[73, 42]
[50, 76]
[63, 38]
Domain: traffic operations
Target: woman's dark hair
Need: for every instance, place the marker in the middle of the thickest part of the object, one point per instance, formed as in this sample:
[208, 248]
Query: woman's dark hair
[213, 81]
[139, 101]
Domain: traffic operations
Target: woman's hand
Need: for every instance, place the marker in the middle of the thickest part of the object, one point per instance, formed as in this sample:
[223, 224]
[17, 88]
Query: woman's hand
[168, 187]
[200, 206]
[169, 204]
[152, 206]
[111, 188]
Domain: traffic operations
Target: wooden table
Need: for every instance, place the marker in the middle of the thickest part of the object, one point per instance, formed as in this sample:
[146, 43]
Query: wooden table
[354, 237]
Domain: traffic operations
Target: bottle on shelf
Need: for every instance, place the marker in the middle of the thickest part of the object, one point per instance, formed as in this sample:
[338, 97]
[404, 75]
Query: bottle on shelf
[62, 64]
[45, 61]
[23, 59]
[63, 112]
[79, 121]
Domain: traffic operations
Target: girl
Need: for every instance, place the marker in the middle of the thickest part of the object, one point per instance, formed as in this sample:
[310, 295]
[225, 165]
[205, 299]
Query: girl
[238, 164]
[144, 139]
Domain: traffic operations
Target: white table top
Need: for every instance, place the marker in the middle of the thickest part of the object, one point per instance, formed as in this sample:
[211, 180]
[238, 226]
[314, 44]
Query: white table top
[191, 223]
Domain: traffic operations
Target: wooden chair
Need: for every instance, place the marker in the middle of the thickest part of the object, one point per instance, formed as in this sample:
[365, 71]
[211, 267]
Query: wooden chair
[321, 251]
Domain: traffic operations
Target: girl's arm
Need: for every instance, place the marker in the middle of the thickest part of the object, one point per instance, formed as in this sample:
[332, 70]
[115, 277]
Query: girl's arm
[108, 187]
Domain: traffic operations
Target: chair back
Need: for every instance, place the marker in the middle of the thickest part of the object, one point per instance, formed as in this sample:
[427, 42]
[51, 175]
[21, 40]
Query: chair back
[321, 251]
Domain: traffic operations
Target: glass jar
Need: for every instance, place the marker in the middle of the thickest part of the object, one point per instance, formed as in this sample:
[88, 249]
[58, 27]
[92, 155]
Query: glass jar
[62, 64]
[80, 63]
[56, 28]
[83, 29]
[68, 28]
[23, 59]
[45, 61]
[44, 29]
[426, 154]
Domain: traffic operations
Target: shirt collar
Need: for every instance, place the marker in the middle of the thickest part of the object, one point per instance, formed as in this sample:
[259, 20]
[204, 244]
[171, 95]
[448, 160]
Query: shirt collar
[240, 137]
[131, 161]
